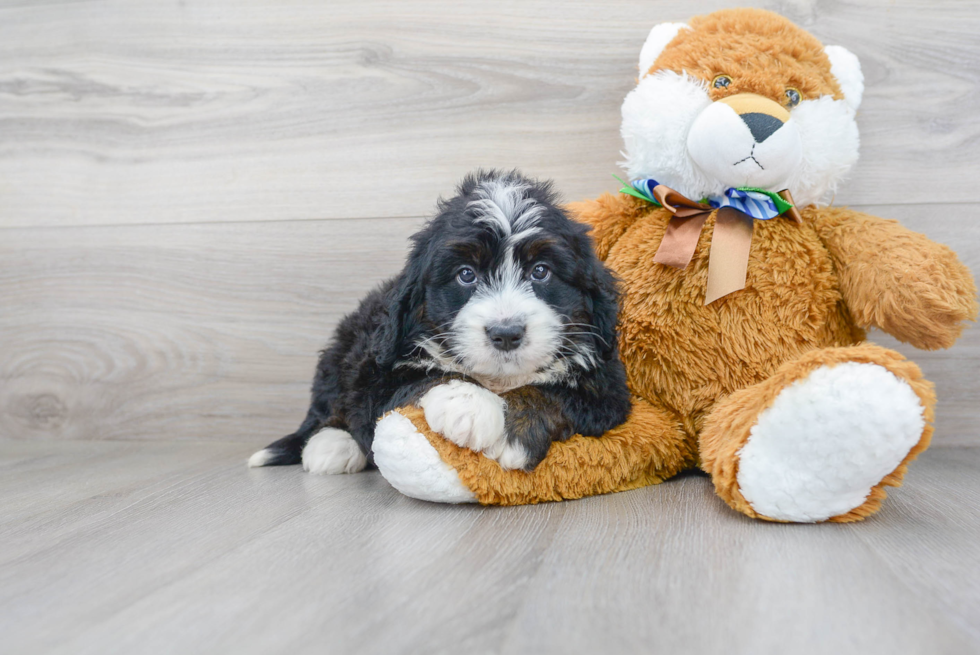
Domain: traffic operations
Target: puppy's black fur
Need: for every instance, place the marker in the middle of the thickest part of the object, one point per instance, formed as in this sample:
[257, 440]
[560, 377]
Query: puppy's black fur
[374, 362]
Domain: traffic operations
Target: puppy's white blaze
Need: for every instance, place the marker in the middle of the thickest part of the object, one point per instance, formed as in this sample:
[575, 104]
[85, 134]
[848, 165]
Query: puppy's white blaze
[260, 458]
[517, 237]
[508, 274]
[491, 214]
[502, 204]
[331, 451]
[528, 215]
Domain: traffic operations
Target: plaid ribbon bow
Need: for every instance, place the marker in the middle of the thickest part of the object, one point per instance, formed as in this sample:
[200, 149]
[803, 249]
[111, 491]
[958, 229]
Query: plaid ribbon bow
[737, 207]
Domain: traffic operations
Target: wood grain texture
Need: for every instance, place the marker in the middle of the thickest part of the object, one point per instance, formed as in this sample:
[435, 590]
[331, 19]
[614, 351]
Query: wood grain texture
[167, 547]
[210, 331]
[177, 332]
[136, 112]
[118, 120]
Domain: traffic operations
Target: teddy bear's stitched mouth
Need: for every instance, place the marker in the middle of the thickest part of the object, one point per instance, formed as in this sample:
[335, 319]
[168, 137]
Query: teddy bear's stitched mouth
[752, 157]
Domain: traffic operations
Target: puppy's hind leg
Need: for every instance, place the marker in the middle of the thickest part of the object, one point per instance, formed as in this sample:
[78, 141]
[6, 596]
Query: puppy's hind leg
[289, 450]
[331, 451]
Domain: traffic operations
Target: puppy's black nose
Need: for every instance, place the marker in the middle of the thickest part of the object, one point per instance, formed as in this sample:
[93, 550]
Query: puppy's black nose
[761, 125]
[506, 337]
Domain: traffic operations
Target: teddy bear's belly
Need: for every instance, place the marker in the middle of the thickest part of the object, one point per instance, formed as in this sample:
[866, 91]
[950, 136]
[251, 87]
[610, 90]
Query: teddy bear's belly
[686, 355]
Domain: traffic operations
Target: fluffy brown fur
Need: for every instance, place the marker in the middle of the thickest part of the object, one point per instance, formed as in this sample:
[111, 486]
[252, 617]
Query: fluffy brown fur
[702, 374]
[649, 448]
[898, 280]
[766, 43]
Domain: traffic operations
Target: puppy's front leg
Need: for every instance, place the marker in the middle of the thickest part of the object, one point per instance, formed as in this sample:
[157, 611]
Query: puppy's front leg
[533, 421]
[472, 417]
[515, 429]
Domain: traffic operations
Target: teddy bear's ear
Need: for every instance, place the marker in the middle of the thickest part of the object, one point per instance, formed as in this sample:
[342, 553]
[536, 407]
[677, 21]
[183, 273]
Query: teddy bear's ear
[657, 40]
[847, 69]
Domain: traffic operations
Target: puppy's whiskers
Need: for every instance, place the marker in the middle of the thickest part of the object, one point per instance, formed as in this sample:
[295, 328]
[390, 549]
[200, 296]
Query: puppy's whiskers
[588, 329]
[441, 336]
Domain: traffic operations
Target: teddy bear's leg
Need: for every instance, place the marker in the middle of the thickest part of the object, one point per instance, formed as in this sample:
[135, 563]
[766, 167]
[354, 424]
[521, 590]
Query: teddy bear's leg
[821, 438]
[649, 448]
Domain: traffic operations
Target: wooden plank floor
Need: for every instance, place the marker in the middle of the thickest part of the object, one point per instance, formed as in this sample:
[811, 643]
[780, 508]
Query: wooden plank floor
[159, 547]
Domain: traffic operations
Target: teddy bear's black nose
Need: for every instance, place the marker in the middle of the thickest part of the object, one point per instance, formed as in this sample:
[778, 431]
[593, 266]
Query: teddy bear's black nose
[761, 125]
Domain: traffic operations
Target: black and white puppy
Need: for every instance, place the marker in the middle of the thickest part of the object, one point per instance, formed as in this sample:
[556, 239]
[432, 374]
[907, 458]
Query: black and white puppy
[502, 327]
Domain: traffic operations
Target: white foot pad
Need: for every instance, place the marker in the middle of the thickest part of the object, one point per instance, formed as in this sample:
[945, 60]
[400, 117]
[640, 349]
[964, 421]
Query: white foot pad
[472, 417]
[331, 451]
[411, 465]
[827, 440]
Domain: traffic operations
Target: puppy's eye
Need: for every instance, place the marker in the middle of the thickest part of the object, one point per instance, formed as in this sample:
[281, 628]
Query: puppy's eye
[721, 81]
[540, 273]
[792, 97]
[466, 276]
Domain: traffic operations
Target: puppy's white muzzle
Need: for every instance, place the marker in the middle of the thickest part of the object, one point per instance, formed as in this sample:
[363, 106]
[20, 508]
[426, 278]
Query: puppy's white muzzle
[506, 307]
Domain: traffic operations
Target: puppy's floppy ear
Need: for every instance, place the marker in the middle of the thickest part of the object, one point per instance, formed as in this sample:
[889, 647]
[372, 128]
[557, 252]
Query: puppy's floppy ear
[605, 310]
[403, 306]
[602, 292]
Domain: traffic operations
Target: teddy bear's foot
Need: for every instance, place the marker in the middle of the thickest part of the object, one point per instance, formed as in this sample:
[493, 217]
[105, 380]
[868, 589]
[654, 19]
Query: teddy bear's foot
[827, 440]
[411, 465]
[820, 439]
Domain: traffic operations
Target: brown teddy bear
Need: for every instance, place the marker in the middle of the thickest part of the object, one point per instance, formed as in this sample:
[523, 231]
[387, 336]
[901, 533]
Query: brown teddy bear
[745, 297]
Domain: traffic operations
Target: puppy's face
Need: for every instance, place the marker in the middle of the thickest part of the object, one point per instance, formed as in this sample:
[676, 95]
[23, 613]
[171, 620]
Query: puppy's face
[510, 287]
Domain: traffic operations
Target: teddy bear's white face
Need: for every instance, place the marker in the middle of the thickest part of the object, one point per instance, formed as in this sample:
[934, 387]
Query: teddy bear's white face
[676, 134]
[746, 140]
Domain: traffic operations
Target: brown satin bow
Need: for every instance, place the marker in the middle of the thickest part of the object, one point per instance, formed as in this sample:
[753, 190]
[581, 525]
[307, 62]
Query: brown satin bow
[731, 240]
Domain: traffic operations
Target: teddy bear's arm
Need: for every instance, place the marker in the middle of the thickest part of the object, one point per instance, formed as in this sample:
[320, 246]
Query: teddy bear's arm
[609, 217]
[896, 279]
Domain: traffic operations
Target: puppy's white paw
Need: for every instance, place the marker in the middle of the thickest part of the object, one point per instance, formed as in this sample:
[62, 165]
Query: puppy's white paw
[512, 456]
[472, 417]
[331, 451]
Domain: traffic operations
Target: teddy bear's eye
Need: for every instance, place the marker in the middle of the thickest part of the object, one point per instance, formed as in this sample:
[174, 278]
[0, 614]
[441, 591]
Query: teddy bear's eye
[721, 81]
[792, 97]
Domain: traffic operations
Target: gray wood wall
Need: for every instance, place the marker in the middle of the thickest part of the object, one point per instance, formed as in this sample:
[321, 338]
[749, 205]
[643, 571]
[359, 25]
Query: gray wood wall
[191, 194]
